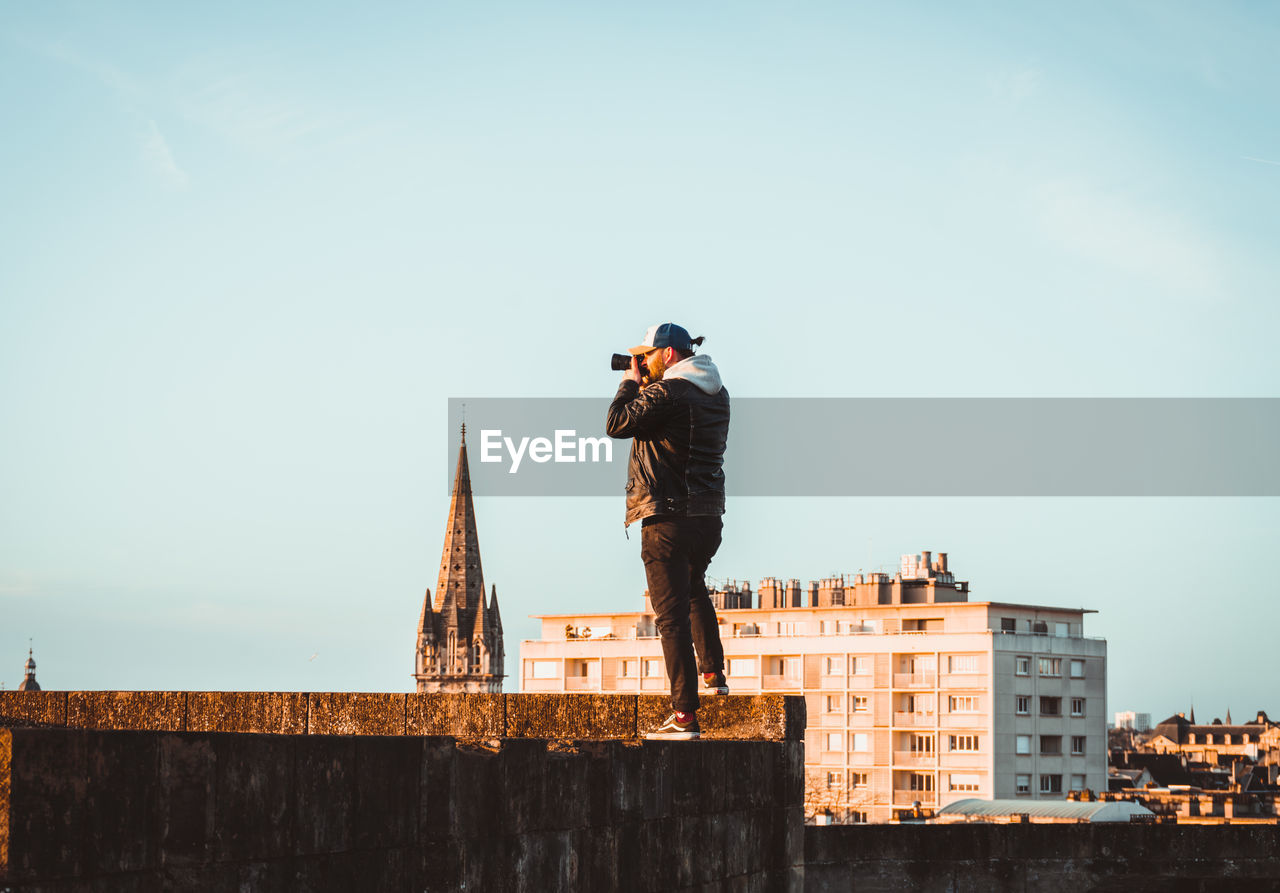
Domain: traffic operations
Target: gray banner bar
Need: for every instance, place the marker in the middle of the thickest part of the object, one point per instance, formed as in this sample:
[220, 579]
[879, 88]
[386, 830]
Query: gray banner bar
[900, 447]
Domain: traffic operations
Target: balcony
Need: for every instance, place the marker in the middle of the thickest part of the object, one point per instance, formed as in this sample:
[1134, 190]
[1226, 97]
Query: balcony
[914, 680]
[914, 758]
[771, 682]
[582, 683]
[909, 798]
[915, 719]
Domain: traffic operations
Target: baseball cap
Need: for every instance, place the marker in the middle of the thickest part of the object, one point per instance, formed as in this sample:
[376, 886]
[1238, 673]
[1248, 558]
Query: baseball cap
[666, 335]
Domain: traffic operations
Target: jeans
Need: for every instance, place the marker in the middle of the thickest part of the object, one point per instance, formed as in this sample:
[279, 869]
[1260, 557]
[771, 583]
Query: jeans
[676, 552]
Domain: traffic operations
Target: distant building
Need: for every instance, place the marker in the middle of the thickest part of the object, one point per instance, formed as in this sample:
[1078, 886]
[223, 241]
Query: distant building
[916, 696]
[459, 646]
[1138, 722]
[29, 679]
[1258, 739]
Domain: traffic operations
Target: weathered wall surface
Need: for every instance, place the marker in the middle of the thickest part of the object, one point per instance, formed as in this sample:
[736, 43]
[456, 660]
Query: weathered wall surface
[1053, 858]
[313, 807]
[468, 717]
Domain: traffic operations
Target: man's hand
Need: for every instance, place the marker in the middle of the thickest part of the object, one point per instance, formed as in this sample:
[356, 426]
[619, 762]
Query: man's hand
[634, 374]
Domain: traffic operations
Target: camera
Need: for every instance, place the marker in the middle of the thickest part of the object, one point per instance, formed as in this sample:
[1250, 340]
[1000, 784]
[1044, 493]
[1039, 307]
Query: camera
[621, 362]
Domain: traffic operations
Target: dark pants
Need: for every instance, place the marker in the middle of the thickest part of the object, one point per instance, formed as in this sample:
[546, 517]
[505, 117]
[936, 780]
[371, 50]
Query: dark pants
[676, 552]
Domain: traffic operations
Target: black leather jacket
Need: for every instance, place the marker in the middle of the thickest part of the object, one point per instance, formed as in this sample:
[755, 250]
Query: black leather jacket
[679, 434]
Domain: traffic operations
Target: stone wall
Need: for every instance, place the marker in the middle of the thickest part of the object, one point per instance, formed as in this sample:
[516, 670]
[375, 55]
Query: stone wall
[1046, 858]
[550, 792]
[467, 717]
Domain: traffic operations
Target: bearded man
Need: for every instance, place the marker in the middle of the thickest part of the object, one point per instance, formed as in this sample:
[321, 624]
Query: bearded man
[674, 407]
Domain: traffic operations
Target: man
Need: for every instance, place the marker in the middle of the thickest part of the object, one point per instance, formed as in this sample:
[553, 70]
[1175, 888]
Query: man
[672, 404]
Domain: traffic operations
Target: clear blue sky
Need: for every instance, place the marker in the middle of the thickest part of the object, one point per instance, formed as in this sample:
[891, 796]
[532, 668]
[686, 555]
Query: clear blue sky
[248, 251]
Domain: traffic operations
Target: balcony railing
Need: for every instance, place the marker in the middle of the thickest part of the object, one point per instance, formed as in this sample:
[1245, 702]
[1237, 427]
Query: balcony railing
[582, 683]
[915, 719]
[909, 798]
[914, 680]
[914, 758]
[774, 682]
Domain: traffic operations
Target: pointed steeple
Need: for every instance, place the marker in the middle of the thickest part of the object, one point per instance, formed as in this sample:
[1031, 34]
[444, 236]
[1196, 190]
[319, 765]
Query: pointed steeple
[481, 628]
[1193, 714]
[496, 621]
[1229, 716]
[460, 571]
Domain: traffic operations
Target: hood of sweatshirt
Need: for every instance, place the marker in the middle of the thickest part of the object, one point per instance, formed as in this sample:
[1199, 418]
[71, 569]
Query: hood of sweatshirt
[697, 369]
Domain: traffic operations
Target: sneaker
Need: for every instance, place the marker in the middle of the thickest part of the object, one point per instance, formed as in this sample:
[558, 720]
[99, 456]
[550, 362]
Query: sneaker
[675, 730]
[714, 684]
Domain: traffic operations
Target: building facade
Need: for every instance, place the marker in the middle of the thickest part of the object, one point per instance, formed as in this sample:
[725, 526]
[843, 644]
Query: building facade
[459, 647]
[916, 696]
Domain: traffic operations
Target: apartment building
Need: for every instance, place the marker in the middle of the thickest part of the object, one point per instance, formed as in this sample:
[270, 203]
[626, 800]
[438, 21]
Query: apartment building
[916, 696]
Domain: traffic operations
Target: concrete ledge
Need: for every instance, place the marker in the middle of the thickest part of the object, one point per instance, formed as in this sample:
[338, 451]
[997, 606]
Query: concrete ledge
[464, 716]
[355, 713]
[33, 708]
[148, 711]
[571, 716]
[268, 713]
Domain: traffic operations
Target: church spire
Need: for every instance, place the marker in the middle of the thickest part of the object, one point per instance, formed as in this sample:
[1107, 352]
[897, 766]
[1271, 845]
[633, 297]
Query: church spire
[459, 635]
[460, 573]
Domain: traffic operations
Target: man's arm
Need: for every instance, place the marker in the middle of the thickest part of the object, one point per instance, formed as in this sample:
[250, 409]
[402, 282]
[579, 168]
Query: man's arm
[637, 411]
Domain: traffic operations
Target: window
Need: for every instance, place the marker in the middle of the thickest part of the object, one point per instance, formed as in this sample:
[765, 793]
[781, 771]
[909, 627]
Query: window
[860, 666]
[1077, 782]
[858, 816]
[962, 663]
[1008, 625]
[835, 781]
[858, 779]
[545, 669]
[742, 666]
[958, 782]
[921, 781]
[835, 741]
[652, 668]
[1077, 706]
[1077, 744]
[790, 628]
[1050, 666]
[922, 744]
[1022, 666]
[1077, 669]
[1062, 629]
[861, 742]
[628, 668]
[1022, 784]
[830, 627]
[861, 704]
[834, 666]
[1050, 706]
[786, 667]
[1022, 744]
[1051, 784]
[962, 704]
[1051, 745]
[1024, 705]
[833, 703]
[964, 743]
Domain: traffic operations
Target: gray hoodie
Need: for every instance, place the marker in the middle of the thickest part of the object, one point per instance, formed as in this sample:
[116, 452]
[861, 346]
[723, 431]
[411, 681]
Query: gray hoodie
[697, 369]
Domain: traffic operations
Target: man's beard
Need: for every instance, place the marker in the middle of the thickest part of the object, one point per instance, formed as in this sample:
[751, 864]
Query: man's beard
[656, 366]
